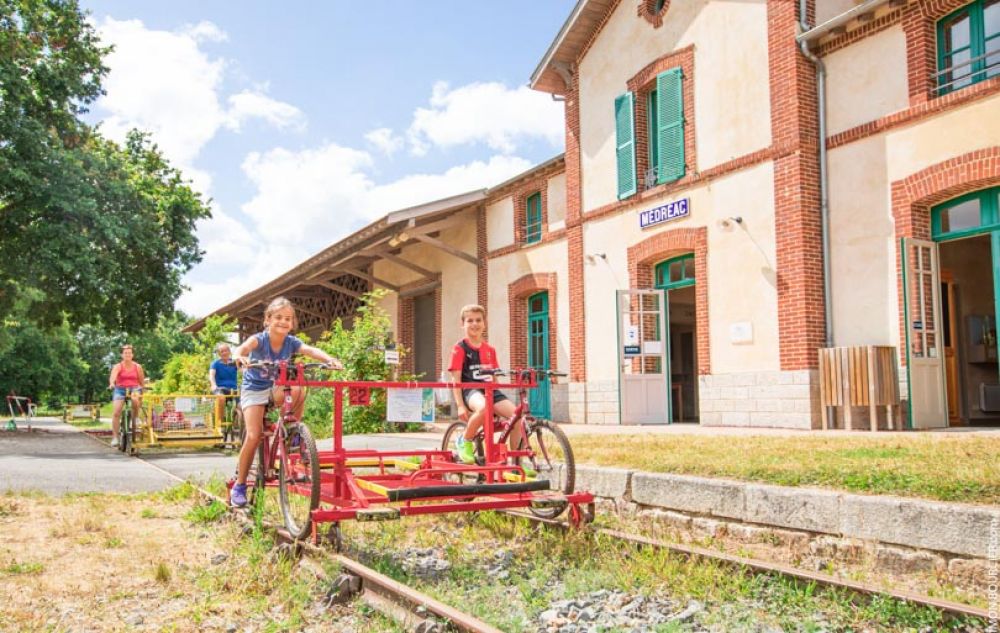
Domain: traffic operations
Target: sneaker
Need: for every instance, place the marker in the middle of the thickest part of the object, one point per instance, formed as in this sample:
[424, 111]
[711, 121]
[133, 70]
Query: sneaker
[467, 452]
[238, 495]
[114, 442]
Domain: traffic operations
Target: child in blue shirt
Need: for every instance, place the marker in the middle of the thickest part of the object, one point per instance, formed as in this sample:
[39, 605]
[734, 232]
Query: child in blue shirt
[275, 343]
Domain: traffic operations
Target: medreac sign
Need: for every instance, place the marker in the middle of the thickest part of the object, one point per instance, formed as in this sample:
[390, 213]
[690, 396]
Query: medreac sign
[665, 213]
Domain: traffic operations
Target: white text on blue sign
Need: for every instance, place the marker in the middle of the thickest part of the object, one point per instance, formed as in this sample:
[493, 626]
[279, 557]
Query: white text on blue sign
[670, 211]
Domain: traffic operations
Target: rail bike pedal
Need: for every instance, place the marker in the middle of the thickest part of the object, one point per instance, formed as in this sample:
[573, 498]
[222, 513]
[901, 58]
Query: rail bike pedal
[558, 501]
[381, 513]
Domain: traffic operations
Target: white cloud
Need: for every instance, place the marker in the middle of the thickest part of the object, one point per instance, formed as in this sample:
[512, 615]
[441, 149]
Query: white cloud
[307, 200]
[254, 105]
[487, 113]
[164, 83]
[385, 140]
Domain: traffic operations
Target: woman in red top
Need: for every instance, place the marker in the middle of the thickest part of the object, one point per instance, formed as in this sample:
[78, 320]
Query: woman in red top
[125, 375]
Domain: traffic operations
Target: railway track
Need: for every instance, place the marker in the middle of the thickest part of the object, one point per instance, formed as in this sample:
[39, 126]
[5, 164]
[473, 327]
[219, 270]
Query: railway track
[420, 612]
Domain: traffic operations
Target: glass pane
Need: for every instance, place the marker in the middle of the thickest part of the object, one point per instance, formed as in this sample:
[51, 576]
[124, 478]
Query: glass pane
[965, 215]
[677, 270]
[689, 268]
[992, 62]
[956, 32]
[651, 303]
[962, 75]
[536, 305]
[991, 18]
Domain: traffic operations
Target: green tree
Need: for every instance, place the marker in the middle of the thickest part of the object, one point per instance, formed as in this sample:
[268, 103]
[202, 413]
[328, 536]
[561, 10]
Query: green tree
[187, 372]
[155, 347]
[362, 351]
[99, 350]
[104, 232]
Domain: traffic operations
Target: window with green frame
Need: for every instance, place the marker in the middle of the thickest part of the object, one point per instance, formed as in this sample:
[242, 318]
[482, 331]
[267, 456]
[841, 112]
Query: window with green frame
[533, 218]
[976, 212]
[968, 45]
[676, 272]
[665, 118]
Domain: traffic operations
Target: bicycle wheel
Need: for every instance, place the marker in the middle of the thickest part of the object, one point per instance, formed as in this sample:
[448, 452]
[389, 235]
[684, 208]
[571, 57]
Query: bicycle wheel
[123, 424]
[454, 431]
[298, 479]
[256, 476]
[236, 430]
[552, 459]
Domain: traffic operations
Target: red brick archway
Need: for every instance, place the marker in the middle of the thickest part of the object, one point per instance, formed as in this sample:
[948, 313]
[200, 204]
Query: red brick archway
[517, 296]
[913, 197]
[642, 260]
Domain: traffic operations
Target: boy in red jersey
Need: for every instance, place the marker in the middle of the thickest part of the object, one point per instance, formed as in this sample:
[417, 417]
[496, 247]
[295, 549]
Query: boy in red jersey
[469, 357]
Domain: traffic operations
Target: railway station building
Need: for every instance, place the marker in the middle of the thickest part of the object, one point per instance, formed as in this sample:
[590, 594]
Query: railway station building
[697, 244]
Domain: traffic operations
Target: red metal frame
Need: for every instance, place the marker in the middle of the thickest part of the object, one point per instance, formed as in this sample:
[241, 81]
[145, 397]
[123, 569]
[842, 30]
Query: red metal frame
[343, 493]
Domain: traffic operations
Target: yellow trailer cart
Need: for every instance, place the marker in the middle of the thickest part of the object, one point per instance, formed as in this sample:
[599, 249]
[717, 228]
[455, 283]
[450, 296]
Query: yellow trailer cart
[180, 420]
[90, 412]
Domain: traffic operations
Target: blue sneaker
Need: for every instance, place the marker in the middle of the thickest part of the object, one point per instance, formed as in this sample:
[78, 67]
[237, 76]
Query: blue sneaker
[238, 495]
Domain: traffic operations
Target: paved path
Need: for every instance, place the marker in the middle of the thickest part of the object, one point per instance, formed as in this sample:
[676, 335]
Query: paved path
[56, 458]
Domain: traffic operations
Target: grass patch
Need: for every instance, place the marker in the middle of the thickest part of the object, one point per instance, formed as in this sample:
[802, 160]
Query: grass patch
[162, 573]
[206, 513]
[964, 469]
[19, 569]
[87, 423]
[148, 513]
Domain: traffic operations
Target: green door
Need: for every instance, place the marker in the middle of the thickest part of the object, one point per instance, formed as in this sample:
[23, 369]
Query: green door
[538, 352]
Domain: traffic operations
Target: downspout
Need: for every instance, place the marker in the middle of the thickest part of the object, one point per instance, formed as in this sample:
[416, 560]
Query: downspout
[824, 185]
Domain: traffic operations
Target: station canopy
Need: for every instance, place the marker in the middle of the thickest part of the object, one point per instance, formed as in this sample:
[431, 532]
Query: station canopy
[331, 283]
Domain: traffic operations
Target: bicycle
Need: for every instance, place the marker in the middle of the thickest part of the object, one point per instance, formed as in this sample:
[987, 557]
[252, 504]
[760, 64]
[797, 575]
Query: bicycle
[232, 417]
[286, 457]
[126, 426]
[544, 447]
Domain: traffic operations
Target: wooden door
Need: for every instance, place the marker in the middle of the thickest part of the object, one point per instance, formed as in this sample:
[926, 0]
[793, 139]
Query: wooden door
[949, 335]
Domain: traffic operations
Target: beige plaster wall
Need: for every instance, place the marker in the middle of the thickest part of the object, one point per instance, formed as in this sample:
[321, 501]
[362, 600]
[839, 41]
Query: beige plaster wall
[867, 80]
[862, 245]
[828, 9]
[556, 201]
[500, 223]
[731, 93]
[966, 129]
[547, 258]
[862, 232]
[390, 303]
[741, 276]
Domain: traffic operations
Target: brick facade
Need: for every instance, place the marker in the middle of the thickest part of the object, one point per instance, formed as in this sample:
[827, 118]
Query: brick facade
[920, 25]
[913, 197]
[648, 12]
[574, 237]
[642, 260]
[517, 297]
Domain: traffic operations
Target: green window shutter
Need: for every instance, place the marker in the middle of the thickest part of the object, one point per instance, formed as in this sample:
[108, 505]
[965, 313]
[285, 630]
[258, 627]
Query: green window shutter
[625, 145]
[670, 126]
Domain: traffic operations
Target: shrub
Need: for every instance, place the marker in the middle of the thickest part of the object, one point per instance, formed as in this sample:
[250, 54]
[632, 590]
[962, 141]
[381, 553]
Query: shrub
[361, 348]
[188, 372]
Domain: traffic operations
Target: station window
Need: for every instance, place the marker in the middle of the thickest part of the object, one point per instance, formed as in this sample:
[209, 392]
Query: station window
[665, 134]
[533, 218]
[973, 213]
[676, 272]
[968, 45]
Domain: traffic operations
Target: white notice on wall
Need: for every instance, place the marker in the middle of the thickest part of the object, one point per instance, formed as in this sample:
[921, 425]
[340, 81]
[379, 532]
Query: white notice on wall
[741, 333]
[652, 347]
[391, 357]
[409, 405]
[631, 334]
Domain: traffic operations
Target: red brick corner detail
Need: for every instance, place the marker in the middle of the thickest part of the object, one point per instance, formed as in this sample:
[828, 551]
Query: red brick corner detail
[517, 296]
[913, 197]
[642, 260]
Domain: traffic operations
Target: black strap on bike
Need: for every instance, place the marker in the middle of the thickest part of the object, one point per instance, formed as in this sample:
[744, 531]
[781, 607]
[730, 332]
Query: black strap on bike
[462, 490]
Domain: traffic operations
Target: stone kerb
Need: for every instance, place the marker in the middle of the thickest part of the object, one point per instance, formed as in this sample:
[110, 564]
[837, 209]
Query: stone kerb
[954, 528]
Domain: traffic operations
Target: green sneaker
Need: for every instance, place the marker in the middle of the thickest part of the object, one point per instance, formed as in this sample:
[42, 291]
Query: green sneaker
[467, 452]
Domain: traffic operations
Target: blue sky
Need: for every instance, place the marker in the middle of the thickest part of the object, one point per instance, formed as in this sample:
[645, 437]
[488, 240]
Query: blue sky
[305, 121]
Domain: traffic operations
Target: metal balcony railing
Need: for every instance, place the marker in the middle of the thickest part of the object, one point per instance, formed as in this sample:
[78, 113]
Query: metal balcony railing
[946, 79]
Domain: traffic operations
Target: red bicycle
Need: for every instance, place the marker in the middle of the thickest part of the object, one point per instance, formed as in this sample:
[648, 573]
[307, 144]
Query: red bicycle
[544, 448]
[286, 458]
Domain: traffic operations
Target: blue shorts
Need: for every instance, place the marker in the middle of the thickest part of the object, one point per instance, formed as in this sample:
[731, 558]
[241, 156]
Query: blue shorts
[119, 393]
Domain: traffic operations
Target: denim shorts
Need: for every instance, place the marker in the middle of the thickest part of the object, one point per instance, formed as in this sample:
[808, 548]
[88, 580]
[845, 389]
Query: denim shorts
[119, 393]
[250, 398]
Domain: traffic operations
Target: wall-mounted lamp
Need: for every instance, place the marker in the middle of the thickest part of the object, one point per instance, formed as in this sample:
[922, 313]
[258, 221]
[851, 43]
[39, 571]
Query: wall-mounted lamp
[728, 223]
[592, 258]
